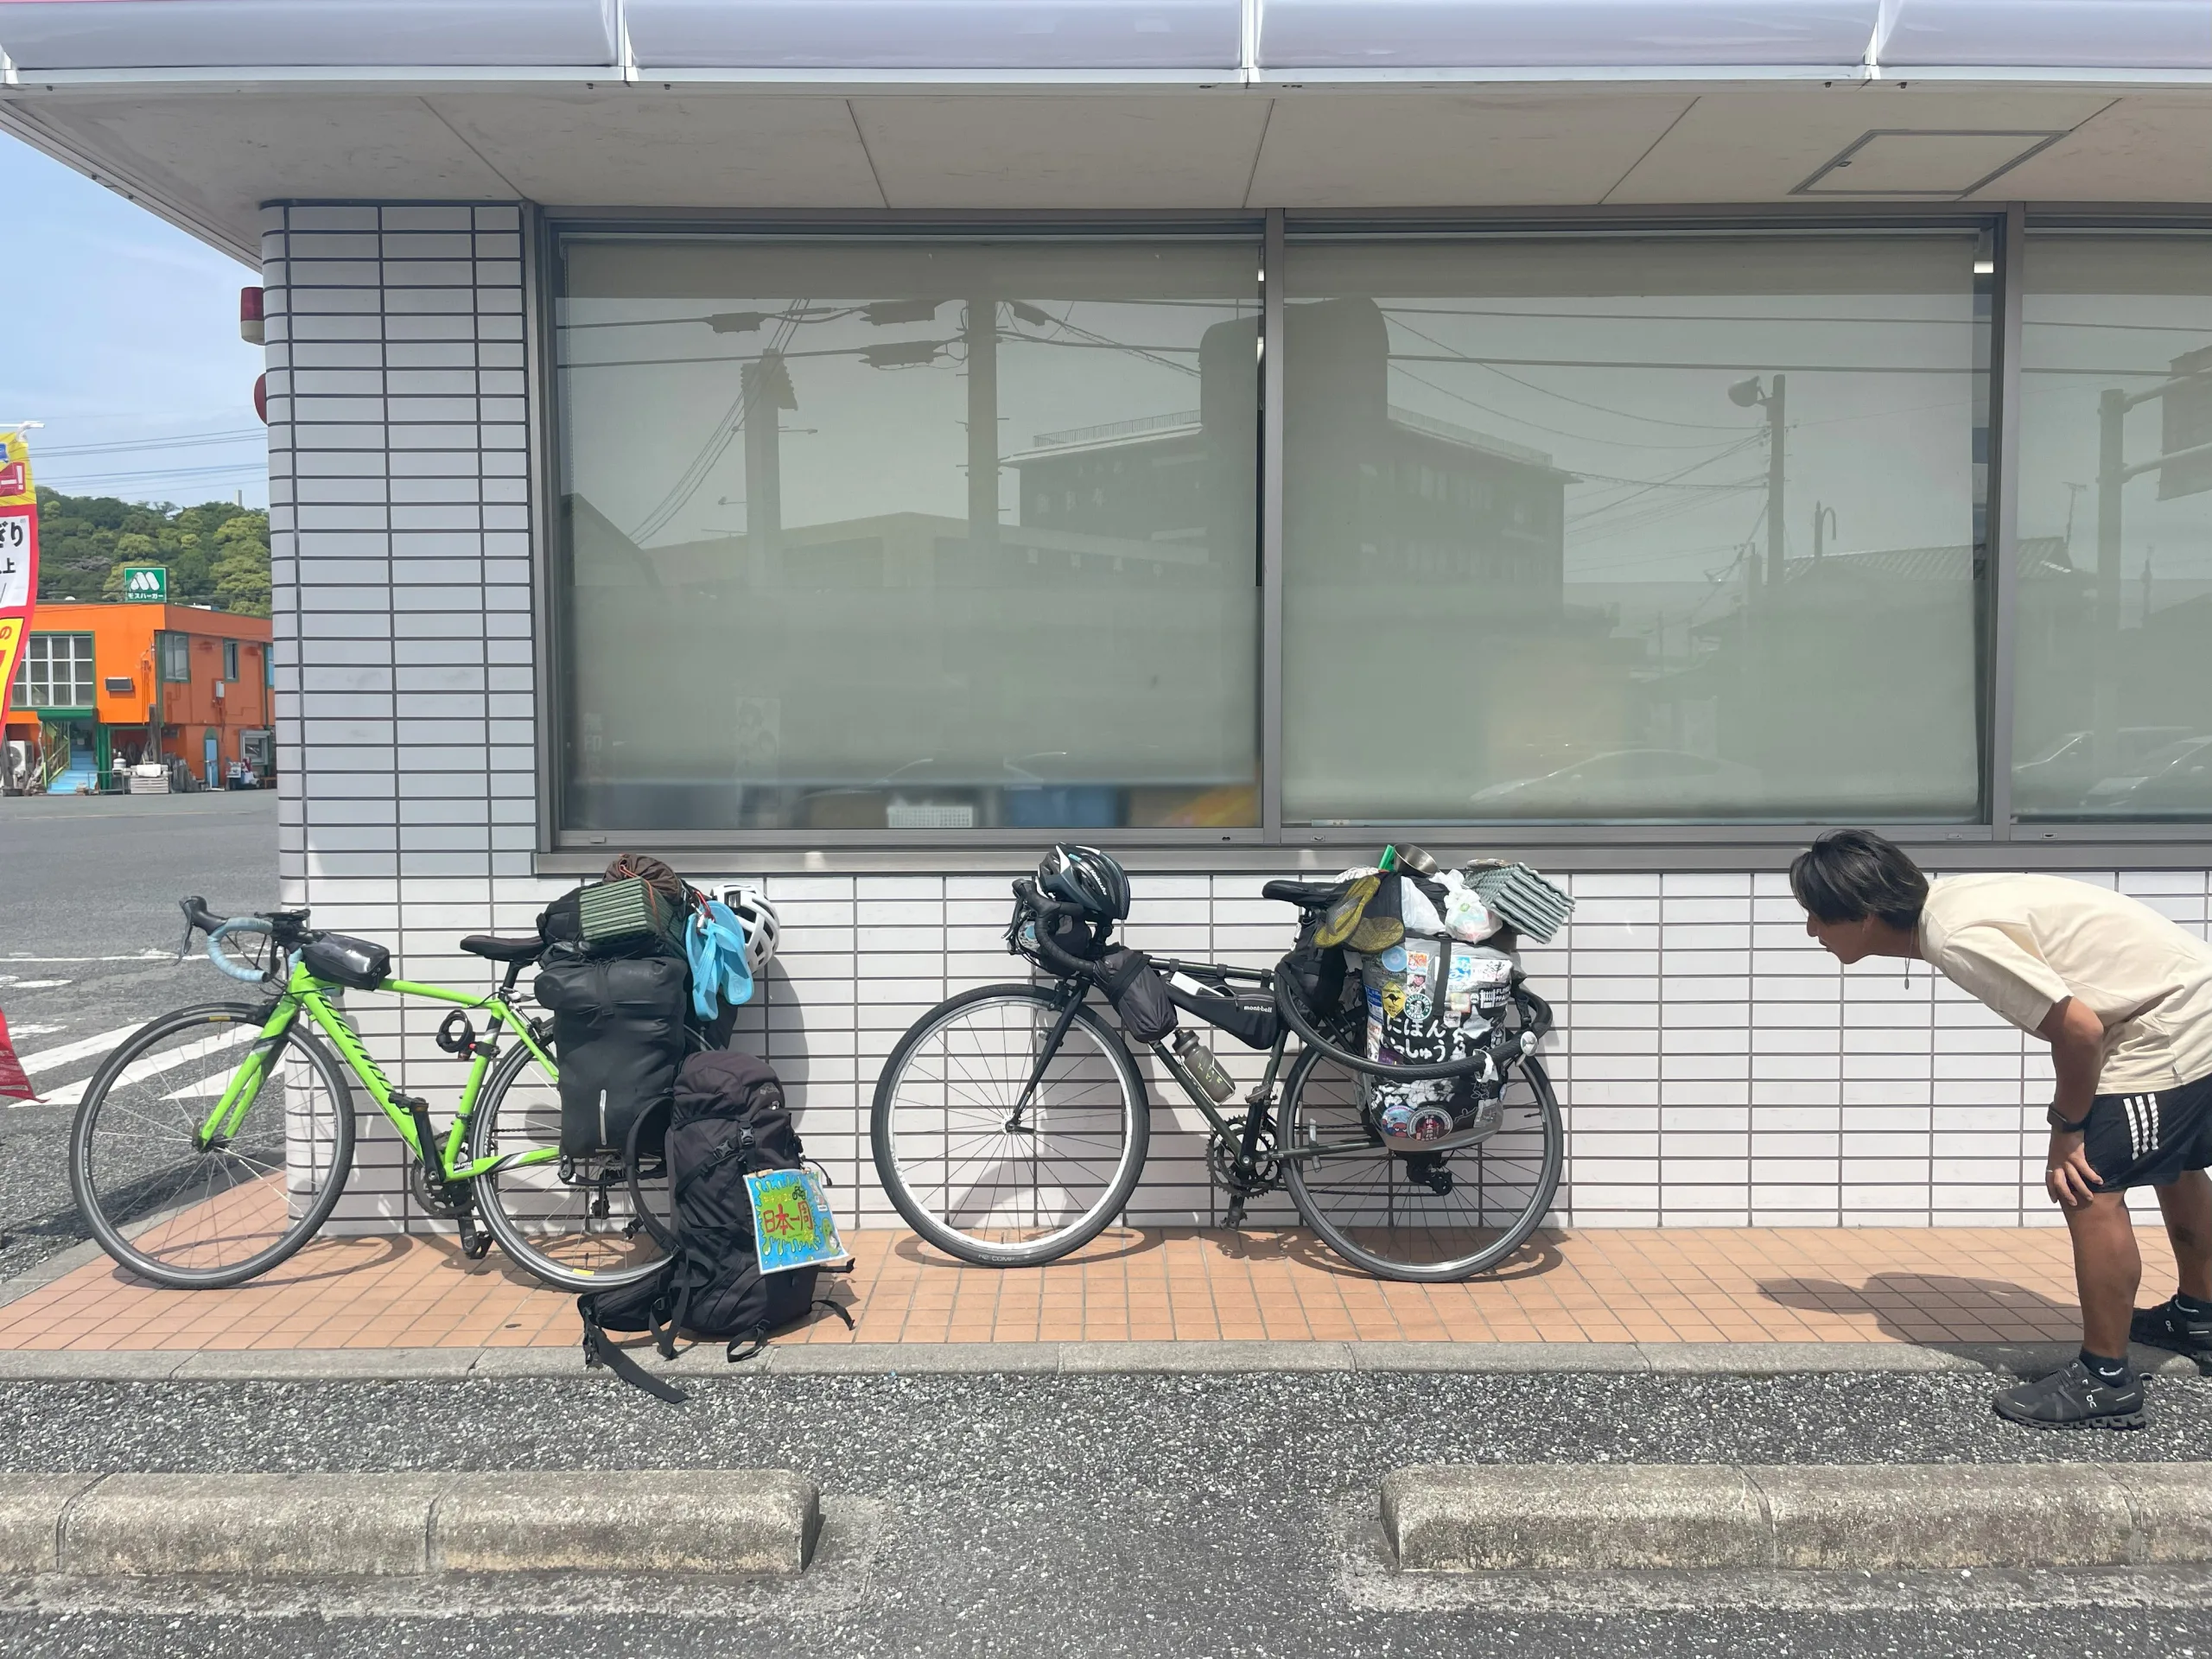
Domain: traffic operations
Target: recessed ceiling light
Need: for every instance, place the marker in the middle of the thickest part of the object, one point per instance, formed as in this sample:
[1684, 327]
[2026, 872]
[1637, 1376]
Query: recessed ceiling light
[1985, 267]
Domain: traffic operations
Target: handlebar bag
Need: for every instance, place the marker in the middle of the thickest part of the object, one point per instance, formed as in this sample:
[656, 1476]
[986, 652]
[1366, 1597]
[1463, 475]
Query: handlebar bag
[618, 1037]
[361, 963]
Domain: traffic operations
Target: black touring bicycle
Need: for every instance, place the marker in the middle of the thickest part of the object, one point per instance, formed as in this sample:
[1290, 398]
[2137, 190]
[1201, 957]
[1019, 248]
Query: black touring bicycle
[1011, 1122]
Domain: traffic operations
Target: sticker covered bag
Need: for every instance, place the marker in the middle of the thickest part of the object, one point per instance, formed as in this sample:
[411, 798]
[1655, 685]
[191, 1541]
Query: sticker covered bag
[791, 1223]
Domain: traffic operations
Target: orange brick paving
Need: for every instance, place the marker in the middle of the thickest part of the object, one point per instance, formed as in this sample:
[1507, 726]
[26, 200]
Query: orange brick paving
[1677, 1285]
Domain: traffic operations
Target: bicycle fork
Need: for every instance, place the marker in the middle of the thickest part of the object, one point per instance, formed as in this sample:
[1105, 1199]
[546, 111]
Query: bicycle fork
[1016, 1122]
[245, 1087]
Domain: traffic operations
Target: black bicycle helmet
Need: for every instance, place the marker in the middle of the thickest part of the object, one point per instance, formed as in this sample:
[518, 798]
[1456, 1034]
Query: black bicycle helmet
[1085, 876]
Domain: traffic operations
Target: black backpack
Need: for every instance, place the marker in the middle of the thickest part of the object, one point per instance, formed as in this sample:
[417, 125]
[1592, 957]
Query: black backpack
[727, 1119]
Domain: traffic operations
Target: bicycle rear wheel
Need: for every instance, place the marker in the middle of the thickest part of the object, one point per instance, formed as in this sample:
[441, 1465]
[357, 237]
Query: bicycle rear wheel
[571, 1220]
[1429, 1216]
[971, 1176]
[197, 1217]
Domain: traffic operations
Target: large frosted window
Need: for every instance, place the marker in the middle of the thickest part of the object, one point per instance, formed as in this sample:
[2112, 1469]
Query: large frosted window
[2113, 674]
[1682, 527]
[870, 535]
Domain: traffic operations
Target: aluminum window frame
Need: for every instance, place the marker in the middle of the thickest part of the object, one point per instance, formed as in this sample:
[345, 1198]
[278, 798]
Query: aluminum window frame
[549, 554]
[1995, 840]
[41, 645]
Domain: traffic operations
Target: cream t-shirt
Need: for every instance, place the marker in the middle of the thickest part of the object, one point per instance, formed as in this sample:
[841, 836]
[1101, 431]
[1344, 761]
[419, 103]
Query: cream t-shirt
[2022, 944]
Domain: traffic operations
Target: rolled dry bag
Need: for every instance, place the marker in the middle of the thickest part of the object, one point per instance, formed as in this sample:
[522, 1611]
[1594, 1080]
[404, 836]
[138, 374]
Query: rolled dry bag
[618, 1036]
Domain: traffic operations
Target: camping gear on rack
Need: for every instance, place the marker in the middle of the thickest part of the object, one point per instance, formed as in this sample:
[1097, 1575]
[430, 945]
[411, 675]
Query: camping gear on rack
[618, 977]
[1434, 986]
[1522, 898]
[728, 1121]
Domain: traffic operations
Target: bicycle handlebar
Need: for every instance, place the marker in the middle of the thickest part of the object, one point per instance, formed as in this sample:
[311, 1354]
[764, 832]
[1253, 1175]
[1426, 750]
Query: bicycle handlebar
[287, 927]
[1048, 912]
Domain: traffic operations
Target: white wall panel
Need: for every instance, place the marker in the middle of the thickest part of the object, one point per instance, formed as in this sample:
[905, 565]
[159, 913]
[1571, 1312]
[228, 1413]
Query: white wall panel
[1562, 34]
[935, 33]
[1715, 1065]
[40, 34]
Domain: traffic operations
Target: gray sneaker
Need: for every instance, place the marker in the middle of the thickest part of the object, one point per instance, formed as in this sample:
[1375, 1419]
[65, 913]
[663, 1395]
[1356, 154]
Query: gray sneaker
[2073, 1397]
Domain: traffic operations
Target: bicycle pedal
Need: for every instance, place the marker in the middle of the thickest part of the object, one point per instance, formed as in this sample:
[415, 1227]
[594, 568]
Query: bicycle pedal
[476, 1244]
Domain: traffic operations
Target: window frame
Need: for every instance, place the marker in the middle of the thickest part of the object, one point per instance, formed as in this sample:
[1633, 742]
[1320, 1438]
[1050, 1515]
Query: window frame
[46, 637]
[165, 642]
[230, 662]
[1991, 836]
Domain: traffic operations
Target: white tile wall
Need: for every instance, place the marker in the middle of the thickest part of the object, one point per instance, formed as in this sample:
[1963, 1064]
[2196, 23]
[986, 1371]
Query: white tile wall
[1716, 1066]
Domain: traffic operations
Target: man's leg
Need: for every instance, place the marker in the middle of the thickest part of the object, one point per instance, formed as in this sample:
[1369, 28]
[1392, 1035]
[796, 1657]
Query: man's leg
[2187, 1207]
[2108, 1269]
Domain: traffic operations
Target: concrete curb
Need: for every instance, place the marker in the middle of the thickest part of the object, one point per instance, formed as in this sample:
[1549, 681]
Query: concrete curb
[744, 1521]
[1072, 1359]
[1574, 1517]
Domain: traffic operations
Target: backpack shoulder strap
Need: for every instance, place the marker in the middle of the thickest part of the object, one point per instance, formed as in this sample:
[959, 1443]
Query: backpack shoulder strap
[598, 1351]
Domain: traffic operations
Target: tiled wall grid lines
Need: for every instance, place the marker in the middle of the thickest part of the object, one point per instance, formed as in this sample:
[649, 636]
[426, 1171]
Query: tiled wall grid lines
[1715, 1067]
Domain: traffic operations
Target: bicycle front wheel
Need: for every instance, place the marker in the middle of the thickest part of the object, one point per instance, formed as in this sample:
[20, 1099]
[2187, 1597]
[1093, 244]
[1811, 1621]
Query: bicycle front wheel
[571, 1220]
[1431, 1216]
[988, 1183]
[195, 1211]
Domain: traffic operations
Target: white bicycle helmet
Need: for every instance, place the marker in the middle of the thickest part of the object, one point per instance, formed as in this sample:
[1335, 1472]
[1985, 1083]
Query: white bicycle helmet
[758, 917]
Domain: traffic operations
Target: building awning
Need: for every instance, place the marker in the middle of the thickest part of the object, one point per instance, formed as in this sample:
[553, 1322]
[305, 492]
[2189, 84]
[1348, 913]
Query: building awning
[204, 110]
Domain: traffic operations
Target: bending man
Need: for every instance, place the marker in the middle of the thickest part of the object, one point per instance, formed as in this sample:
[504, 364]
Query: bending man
[2124, 997]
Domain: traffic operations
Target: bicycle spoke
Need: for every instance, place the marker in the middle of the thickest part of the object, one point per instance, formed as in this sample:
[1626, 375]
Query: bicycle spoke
[544, 1214]
[186, 1214]
[967, 1171]
[1436, 1215]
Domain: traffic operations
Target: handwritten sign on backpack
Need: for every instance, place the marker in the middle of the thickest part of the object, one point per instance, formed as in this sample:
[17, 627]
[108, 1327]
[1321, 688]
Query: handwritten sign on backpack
[791, 1222]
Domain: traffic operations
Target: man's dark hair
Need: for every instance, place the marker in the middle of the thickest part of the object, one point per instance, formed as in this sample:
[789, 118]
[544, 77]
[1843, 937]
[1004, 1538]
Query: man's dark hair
[1850, 873]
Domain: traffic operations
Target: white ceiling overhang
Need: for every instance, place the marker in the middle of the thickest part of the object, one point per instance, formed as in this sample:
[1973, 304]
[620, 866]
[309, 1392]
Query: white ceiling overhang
[204, 109]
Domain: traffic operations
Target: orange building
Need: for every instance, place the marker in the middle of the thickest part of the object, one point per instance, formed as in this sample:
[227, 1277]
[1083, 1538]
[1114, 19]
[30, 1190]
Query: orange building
[111, 685]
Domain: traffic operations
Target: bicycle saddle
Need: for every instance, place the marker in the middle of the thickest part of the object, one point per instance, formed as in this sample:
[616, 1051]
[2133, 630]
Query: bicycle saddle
[1307, 895]
[494, 949]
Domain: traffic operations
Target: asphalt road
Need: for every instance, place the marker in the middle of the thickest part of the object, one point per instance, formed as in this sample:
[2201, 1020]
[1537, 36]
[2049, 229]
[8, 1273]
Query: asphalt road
[88, 926]
[1144, 1516]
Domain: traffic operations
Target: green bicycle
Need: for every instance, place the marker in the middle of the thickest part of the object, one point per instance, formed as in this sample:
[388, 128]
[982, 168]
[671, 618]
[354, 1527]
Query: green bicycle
[217, 1140]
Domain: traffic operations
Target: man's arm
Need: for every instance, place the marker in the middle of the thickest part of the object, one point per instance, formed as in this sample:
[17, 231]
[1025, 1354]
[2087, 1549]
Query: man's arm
[2077, 1040]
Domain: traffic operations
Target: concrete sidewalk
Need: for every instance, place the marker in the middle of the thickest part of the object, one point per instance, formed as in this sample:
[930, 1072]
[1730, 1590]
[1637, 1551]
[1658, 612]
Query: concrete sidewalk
[1882, 1286]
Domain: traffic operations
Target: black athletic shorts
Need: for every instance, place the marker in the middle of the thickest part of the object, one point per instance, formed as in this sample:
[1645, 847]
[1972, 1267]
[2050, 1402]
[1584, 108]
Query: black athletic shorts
[2152, 1139]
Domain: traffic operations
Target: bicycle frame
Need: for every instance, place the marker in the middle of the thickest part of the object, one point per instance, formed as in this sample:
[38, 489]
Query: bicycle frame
[304, 993]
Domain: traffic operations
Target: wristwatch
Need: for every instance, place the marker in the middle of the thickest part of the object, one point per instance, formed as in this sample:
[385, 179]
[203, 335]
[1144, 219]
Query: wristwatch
[2050, 1116]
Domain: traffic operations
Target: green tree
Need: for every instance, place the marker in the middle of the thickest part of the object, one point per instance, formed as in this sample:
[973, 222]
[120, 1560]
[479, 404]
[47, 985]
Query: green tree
[241, 564]
[217, 553]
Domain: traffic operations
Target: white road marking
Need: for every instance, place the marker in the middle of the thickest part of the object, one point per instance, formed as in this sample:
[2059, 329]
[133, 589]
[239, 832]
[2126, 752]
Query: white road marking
[142, 956]
[34, 1031]
[47, 1059]
[33, 984]
[70, 1094]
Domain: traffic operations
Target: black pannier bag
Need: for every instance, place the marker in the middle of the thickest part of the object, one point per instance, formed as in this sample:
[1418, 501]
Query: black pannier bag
[727, 1119]
[618, 1037]
[360, 963]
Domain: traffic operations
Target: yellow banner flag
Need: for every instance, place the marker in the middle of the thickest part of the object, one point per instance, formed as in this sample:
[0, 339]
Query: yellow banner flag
[18, 554]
